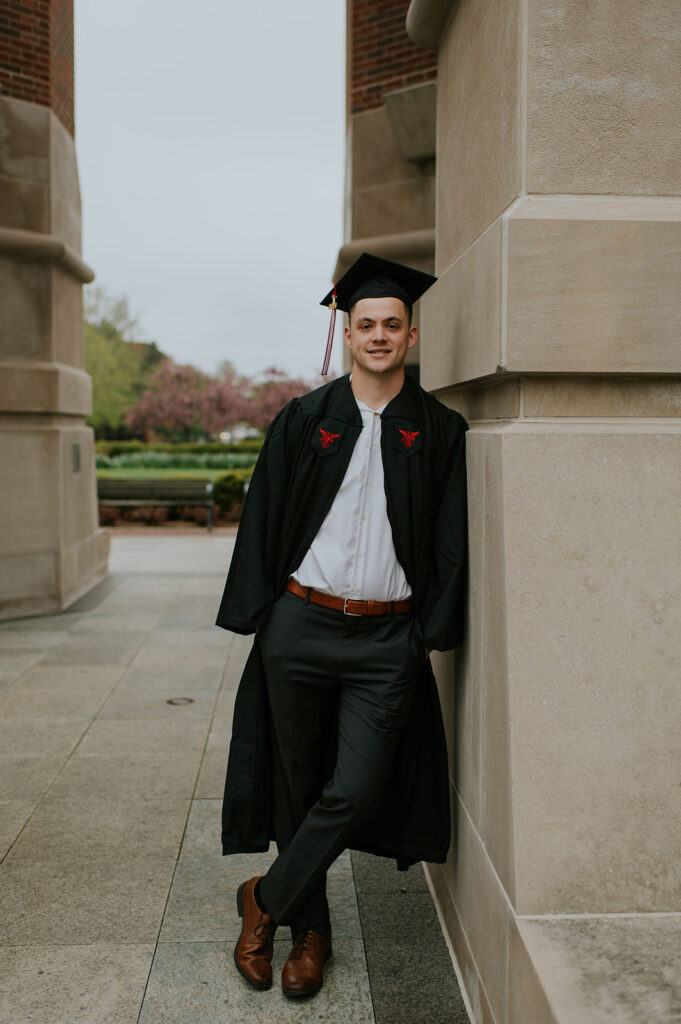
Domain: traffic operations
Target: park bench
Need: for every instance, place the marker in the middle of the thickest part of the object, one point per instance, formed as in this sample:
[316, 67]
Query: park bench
[142, 493]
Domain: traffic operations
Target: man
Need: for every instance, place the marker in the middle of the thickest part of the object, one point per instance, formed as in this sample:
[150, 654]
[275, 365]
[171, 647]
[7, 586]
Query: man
[350, 566]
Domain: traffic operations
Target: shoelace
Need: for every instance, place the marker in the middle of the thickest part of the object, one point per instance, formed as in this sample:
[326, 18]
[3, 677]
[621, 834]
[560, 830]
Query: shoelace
[302, 944]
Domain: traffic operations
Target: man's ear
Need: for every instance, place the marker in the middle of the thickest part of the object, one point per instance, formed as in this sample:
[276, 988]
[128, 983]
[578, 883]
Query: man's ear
[346, 335]
[413, 336]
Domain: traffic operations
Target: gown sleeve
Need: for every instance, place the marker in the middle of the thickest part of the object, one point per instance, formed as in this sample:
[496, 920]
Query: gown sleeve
[250, 588]
[441, 621]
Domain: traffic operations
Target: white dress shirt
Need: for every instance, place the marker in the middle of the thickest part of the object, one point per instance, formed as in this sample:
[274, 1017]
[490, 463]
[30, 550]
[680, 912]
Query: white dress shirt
[353, 554]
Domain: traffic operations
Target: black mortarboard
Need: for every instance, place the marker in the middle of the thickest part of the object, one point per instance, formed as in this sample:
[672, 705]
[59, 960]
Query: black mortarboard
[372, 277]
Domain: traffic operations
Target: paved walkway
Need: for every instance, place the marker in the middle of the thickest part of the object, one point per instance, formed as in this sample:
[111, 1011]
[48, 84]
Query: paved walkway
[115, 903]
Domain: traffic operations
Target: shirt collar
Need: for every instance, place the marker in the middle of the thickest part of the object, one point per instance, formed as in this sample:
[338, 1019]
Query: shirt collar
[367, 408]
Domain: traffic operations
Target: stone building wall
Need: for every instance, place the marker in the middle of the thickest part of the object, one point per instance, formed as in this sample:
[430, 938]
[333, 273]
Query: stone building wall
[554, 327]
[51, 547]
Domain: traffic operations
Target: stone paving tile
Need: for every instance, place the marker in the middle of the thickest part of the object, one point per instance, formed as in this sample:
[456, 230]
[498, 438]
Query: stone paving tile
[60, 691]
[190, 612]
[199, 554]
[81, 830]
[206, 637]
[34, 751]
[238, 655]
[224, 708]
[117, 620]
[412, 978]
[214, 766]
[160, 655]
[13, 665]
[207, 586]
[60, 903]
[211, 782]
[20, 636]
[380, 874]
[150, 679]
[197, 983]
[143, 692]
[130, 703]
[14, 813]
[126, 599]
[29, 776]
[37, 738]
[61, 623]
[100, 593]
[127, 776]
[96, 647]
[160, 737]
[98, 984]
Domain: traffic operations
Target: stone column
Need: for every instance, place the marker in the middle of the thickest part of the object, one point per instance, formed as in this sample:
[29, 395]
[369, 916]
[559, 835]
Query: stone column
[51, 547]
[555, 327]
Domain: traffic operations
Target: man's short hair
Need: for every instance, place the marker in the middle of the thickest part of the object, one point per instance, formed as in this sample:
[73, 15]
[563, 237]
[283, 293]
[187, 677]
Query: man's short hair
[408, 309]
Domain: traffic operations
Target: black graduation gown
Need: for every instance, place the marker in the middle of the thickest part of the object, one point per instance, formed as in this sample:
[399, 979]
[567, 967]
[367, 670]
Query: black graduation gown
[300, 469]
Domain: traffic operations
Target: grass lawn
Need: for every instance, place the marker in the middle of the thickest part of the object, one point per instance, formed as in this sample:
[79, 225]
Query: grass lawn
[137, 473]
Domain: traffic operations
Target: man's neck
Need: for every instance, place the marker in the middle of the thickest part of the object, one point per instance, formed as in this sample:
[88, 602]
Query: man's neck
[376, 390]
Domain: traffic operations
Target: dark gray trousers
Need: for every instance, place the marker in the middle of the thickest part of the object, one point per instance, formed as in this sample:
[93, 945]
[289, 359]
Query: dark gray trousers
[340, 689]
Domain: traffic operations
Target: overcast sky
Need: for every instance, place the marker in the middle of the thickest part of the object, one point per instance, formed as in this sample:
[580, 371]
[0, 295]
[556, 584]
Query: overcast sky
[210, 142]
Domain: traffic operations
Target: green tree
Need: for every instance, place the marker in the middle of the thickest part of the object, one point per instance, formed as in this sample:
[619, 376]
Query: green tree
[118, 364]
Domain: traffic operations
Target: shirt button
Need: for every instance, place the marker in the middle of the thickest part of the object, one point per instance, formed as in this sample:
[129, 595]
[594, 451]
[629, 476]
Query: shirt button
[363, 517]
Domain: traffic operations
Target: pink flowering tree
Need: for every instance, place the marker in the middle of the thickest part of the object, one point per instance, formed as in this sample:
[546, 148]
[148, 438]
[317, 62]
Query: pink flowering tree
[270, 392]
[223, 402]
[181, 403]
[172, 403]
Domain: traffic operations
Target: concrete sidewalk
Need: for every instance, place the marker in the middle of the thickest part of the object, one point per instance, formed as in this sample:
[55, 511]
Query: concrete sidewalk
[115, 902]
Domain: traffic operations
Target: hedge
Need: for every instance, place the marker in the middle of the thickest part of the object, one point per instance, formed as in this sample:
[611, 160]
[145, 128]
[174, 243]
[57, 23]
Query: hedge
[228, 488]
[113, 448]
[176, 460]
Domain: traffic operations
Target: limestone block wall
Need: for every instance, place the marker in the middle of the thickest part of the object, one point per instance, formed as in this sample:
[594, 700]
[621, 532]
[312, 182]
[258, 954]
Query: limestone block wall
[51, 547]
[554, 327]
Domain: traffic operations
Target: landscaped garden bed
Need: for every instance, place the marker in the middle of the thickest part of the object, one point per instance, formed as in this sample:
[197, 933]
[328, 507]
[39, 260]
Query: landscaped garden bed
[228, 469]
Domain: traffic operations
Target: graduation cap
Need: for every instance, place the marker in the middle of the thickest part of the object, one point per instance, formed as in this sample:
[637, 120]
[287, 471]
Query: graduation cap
[372, 277]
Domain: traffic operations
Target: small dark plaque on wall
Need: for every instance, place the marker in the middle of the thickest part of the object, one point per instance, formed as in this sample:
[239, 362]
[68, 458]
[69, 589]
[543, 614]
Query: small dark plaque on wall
[75, 455]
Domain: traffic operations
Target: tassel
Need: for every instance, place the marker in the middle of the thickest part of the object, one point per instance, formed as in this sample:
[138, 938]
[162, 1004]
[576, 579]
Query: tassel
[329, 341]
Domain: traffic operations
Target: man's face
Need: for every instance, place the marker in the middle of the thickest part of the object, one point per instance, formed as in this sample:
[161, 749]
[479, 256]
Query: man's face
[379, 335]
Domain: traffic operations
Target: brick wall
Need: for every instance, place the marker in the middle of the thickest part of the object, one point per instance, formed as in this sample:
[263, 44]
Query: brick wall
[36, 54]
[381, 57]
[62, 61]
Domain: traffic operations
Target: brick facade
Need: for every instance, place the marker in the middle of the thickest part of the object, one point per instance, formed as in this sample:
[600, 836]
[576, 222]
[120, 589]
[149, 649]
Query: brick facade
[381, 57]
[36, 54]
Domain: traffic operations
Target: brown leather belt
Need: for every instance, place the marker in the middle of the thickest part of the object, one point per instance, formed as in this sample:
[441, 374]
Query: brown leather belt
[346, 604]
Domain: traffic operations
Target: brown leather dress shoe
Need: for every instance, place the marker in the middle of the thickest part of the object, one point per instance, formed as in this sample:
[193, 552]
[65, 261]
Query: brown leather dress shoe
[253, 951]
[303, 972]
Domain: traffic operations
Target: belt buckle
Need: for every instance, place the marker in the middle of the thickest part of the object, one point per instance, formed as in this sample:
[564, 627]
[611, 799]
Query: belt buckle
[355, 615]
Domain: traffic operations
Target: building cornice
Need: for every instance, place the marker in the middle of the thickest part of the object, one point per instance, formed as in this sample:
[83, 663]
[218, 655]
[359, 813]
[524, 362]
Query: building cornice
[426, 20]
[42, 248]
[407, 246]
